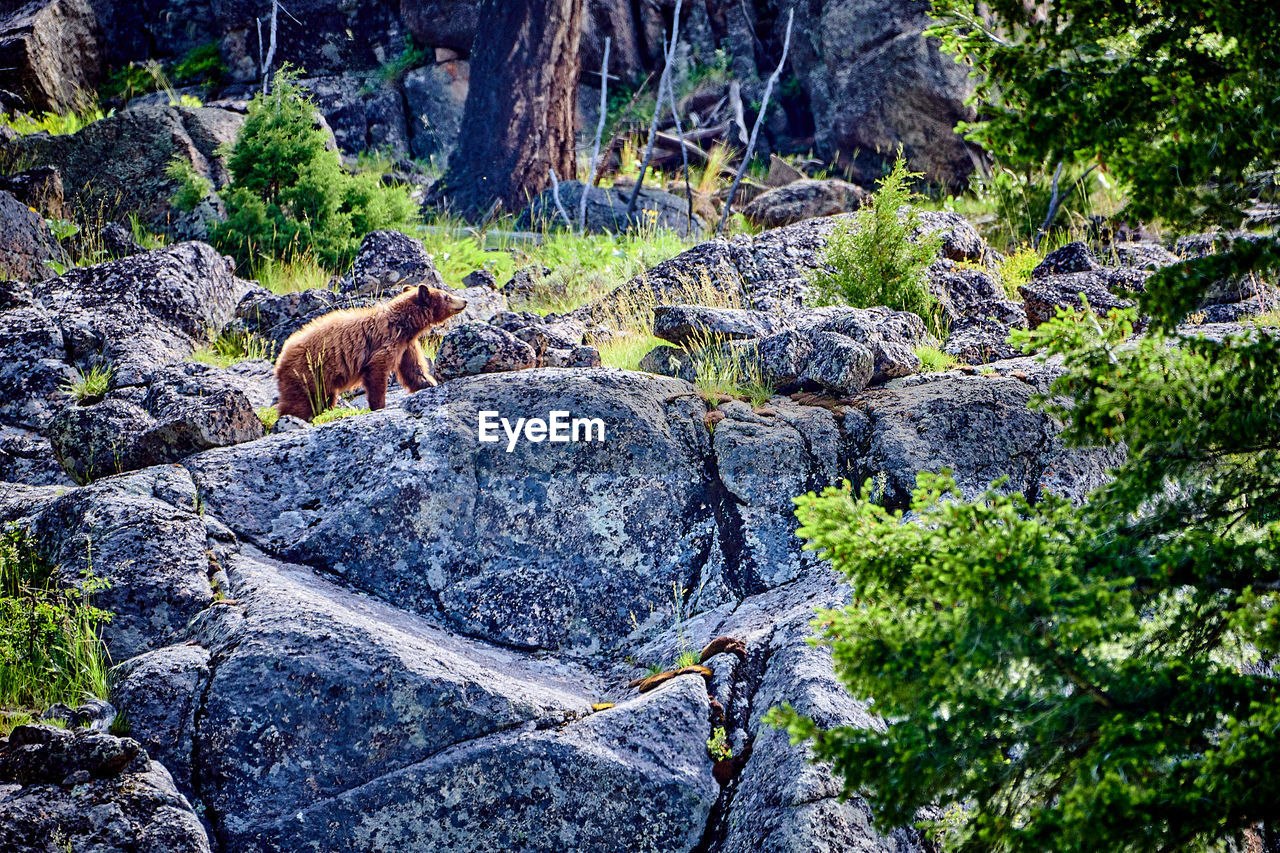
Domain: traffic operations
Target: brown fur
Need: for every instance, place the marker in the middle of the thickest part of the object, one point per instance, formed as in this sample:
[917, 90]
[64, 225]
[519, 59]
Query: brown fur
[360, 346]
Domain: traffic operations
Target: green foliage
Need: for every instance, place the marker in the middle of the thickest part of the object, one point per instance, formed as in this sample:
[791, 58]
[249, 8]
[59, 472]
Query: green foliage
[89, 386]
[202, 66]
[337, 413]
[626, 351]
[1093, 677]
[1015, 270]
[300, 272]
[269, 415]
[686, 658]
[233, 347]
[193, 187]
[718, 745]
[289, 196]
[50, 649]
[722, 371]
[410, 57]
[54, 124]
[934, 360]
[877, 258]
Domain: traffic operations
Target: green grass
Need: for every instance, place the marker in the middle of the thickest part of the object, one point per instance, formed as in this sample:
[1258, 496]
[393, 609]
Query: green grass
[686, 658]
[304, 272]
[54, 124]
[1016, 269]
[337, 413]
[89, 386]
[269, 415]
[410, 57]
[233, 347]
[723, 373]
[934, 360]
[625, 351]
[50, 647]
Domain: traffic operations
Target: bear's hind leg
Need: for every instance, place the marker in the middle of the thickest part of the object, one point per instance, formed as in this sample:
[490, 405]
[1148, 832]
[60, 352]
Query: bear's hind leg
[411, 370]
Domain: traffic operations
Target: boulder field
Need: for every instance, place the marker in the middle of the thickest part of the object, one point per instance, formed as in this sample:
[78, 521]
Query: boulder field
[384, 633]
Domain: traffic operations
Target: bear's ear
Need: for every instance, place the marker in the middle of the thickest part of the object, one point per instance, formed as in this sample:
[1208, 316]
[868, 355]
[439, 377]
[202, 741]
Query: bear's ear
[424, 295]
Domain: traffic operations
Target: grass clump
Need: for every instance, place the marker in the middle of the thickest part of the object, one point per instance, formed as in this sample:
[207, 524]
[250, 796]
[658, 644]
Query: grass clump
[934, 360]
[289, 196]
[873, 260]
[54, 124]
[269, 415]
[1016, 268]
[89, 386]
[50, 647]
[625, 351]
[721, 372]
[234, 347]
[291, 275]
[337, 413]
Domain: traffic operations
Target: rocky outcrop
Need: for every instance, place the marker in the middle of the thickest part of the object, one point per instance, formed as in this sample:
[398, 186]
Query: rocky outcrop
[607, 210]
[475, 348]
[179, 411]
[804, 199]
[116, 166]
[28, 249]
[87, 790]
[1070, 273]
[50, 53]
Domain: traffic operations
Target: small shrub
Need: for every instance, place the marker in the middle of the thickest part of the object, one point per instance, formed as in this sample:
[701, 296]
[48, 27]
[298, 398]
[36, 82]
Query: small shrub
[233, 347]
[337, 413]
[873, 260]
[269, 415]
[91, 386]
[289, 196]
[718, 745]
[934, 360]
[50, 648]
[411, 57]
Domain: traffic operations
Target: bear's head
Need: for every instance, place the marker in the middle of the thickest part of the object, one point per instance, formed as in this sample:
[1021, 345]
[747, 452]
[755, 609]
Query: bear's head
[421, 307]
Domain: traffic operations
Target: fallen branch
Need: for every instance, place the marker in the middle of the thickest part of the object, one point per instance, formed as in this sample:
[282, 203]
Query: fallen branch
[595, 151]
[755, 130]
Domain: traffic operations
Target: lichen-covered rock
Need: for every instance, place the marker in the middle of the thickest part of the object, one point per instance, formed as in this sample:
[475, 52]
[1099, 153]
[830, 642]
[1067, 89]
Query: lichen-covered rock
[142, 313]
[1043, 295]
[804, 199]
[34, 376]
[28, 249]
[158, 692]
[1071, 258]
[980, 427]
[89, 791]
[476, 348]
[386, 262]
[685, 325]
[27, 457]
[275, 316]
[118, 165]
[183, 410]
[833, 362]
[143, 532]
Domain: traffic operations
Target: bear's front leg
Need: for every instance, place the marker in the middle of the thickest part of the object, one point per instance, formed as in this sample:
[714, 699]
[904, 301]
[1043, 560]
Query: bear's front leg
[374, 378]
[411, 371]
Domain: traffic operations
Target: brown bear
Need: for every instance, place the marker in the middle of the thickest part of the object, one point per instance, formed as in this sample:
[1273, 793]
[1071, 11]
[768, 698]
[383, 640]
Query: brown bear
[360, 346]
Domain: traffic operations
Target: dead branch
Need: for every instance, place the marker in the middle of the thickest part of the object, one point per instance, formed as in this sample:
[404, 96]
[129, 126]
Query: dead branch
[755, 130]
[663, 82]
[595, 151]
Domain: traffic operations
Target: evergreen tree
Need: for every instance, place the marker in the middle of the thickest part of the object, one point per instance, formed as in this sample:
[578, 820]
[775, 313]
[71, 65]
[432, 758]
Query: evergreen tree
[1099, 677]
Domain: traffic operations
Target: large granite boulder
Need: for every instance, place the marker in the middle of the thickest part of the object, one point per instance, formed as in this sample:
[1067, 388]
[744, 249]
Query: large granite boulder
[50, 53]
[475, 348]
[28, 249]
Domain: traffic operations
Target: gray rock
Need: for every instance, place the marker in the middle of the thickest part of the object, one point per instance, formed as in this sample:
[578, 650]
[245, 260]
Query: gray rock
[669, 361]
[893, 361]
[27, 457]
[117, 165]
[434, 100]
[981, 428]
[835, 363]
[276, 316]
[387, 262]
[544, 563]
[1042, 296]
[28, 249]
[804, 199]
[34, 375]
[116, 800]
[185, 409]
[607, 210]
[143, 533]
[686, 325]
[476, 348]
[158, 693]
[40, 189]
[362, 114]
[1143, 254]
[1071, 258]
[50, 53]
[142, 313]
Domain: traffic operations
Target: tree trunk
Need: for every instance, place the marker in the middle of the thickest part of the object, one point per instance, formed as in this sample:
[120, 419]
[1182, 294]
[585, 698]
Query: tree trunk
[518, 122]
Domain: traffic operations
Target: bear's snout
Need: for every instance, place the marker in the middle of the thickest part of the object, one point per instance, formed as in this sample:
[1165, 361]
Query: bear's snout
[456, 303]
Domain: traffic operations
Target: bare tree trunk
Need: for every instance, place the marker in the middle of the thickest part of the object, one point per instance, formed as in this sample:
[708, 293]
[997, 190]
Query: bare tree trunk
[518, 122]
